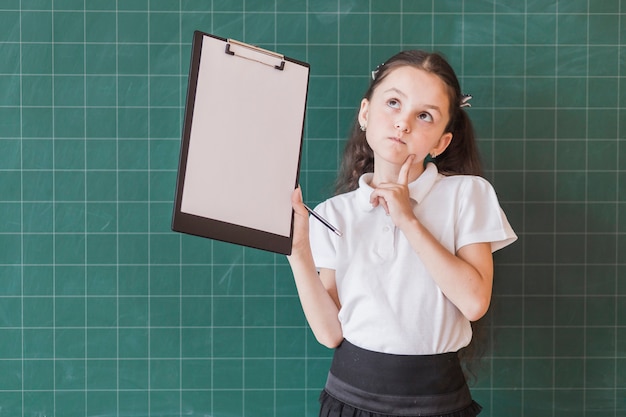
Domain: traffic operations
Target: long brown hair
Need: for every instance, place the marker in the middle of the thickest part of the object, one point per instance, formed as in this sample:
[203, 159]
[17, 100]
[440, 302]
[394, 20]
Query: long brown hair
[461, 156]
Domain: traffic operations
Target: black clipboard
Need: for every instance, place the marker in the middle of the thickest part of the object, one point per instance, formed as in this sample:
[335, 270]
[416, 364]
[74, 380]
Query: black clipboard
[241, 144]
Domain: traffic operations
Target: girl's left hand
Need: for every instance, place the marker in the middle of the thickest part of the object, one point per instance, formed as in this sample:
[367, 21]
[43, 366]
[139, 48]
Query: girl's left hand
[395, 197]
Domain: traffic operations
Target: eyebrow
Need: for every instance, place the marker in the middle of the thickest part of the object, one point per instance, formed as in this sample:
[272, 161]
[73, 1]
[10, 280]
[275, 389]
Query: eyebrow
[401, 93]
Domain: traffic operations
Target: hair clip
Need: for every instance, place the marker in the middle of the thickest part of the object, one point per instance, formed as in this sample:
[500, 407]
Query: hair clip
[465, 98]
[375, 72]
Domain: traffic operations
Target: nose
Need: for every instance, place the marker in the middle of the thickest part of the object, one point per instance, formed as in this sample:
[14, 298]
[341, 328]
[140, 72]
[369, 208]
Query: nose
[402, 126]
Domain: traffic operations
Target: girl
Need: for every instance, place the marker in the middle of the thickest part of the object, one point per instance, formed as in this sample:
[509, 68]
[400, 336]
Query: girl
[396, 294]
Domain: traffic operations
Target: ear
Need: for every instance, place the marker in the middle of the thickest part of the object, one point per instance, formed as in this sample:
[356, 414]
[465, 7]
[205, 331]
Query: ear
[442, 144]
[364, 112]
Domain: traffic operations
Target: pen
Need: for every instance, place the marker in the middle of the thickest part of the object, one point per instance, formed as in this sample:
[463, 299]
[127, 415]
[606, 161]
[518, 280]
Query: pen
[323, 220]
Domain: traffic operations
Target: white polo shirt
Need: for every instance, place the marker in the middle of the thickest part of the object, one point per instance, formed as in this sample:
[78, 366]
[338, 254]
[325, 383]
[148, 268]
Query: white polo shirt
[389, 301]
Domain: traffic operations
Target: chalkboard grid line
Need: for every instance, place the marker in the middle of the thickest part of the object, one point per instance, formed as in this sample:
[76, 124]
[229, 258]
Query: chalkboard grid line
[304, 156]
[85, 190]
[585, 276]
[117, 197]
[523, 158]
[54, 247]
[564, 296]
[180, 250]
[477, 106]
[402, 11]
[491, 145]
[554, 229]
[22, 289]
[617, 219]
[149, 135]
[620, 145]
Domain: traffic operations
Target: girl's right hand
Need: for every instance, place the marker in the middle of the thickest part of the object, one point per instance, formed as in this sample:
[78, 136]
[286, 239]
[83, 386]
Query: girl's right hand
[300, 241]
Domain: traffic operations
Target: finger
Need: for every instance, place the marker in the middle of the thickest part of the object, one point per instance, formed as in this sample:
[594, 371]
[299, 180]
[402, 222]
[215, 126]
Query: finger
[383, 203]
[297, 202]
[376, 199]
[403, 176]
[296, 196]
[377, 196]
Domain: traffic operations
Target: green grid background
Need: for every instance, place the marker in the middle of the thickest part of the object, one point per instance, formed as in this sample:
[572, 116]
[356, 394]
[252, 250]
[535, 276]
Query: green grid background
[105, 311]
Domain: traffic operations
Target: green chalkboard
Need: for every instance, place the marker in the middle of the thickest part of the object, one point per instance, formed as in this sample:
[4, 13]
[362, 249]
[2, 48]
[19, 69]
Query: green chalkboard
[105, 311]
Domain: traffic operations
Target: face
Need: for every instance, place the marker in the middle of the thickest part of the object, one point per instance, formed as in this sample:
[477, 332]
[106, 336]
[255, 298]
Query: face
[407, 114]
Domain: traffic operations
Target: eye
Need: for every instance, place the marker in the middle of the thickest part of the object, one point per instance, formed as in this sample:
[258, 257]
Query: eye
[427, 117]
[393, 103]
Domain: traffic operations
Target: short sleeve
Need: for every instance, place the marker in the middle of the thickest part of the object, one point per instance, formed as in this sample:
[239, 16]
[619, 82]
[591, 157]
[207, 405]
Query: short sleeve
[322, 240]
[481, 219]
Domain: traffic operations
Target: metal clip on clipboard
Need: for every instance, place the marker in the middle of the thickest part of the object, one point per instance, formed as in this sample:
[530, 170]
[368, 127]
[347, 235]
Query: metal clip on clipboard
[254, 53]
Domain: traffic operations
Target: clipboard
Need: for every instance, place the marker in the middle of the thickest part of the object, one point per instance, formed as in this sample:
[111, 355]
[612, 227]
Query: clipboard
[241, 144]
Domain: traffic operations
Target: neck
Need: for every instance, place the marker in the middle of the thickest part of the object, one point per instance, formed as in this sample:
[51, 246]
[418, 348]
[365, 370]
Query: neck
[388, 173]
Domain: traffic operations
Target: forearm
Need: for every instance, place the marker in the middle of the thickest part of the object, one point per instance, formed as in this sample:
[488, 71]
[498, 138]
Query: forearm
[466, 284]
[319, 308]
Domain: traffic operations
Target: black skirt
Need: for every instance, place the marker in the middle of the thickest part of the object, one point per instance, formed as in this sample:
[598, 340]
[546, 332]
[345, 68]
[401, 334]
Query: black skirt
[363, 383]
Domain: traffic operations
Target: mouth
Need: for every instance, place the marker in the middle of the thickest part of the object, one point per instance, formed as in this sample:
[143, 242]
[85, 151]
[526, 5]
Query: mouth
[397, 140]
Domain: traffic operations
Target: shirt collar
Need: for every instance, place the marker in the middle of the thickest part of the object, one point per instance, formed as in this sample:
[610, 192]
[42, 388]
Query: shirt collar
[417, 189]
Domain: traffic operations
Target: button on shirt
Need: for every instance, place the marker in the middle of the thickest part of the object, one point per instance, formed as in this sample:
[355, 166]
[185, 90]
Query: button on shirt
[389, 301]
